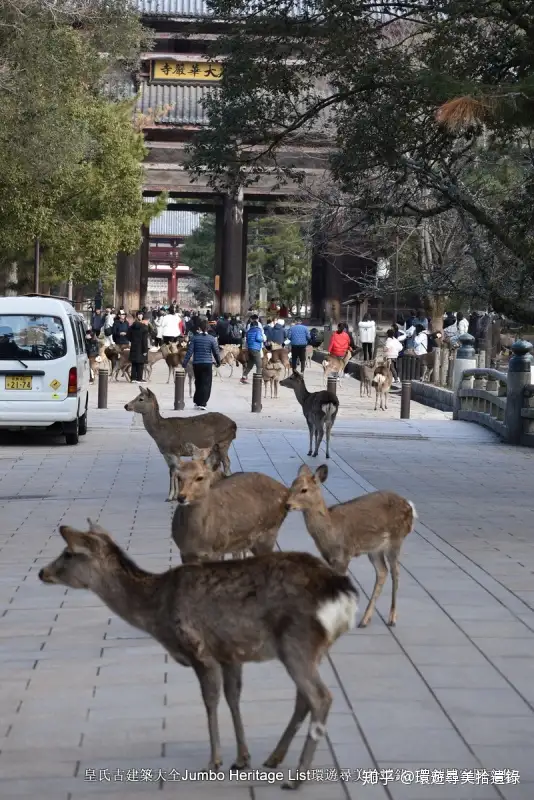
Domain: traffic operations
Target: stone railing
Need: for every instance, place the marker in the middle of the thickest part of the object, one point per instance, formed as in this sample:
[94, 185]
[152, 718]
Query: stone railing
[501, 401]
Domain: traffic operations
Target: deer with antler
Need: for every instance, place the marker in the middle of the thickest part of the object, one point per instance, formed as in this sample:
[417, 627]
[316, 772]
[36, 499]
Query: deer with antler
[217, 616]
[176, 436]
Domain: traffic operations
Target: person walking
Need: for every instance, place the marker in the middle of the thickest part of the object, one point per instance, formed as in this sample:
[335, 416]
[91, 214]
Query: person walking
[367, 332]
[254, 345]
[170, 327]
[203, 348]
[138, 336]
[299, 337]
[339, 342]
[392, 349]
[222, 330]
[97, 323]
[236, 331]
[119, 331]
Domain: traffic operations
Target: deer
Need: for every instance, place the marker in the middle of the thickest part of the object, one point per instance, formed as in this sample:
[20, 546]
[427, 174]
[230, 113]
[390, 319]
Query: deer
[271, 374]
[376, 524]
[382, 381]
[174, 355]
[175, 436]
[367, 373]
[336, 365]
[319, 409]
[216, 616]
[309, 355]
[216, 516]
[153, 357]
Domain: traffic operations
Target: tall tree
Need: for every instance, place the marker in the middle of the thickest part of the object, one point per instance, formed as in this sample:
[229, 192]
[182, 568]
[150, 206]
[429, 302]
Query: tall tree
[371, 76]
[71, 160]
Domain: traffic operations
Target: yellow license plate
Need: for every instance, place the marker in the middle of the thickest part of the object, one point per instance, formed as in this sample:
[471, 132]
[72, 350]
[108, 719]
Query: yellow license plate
[20, 383]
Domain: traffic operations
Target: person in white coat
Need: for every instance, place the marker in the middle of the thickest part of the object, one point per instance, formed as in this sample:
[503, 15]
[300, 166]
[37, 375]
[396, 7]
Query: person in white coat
[367, 333]
[462, 323]
[170, 327]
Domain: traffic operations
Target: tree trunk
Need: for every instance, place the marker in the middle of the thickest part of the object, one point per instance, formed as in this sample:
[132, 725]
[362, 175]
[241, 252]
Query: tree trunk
[436, 306]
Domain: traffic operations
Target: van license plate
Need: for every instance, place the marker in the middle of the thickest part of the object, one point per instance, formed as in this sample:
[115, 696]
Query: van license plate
[19, 382]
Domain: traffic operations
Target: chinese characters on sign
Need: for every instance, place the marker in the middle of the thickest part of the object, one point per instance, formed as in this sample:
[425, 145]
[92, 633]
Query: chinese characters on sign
[186, 71]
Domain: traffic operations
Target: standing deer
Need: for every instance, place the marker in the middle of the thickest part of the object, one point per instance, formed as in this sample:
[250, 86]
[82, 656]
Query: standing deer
[319, 409]
[271, 373]
[216, 616]
[382, 381]
[375, 523]
[367, 373]
[239, 513]
[335, 365]
[175, 436]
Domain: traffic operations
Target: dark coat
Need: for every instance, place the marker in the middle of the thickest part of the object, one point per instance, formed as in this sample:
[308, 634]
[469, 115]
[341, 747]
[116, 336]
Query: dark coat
[138, 336]
[119, 326]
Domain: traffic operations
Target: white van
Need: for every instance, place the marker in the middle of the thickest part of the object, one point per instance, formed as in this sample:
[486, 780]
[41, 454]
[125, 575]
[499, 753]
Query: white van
[44, 369]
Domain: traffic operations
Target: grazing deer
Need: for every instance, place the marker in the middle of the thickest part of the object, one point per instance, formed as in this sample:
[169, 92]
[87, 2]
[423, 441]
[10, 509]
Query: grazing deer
[382, 381]
[271, 374]
[375, 523]
[214, 517]
[367, 373]
[335, 365]
[319, 409]
[216, 616]
[175, 436]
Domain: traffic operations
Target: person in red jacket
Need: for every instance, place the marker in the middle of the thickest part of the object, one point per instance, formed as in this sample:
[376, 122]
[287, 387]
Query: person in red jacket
[340, 342]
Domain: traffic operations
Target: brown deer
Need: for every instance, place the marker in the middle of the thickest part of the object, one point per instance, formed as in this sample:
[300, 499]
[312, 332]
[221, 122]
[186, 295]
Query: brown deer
[174, 355]
[153, 357]
[175, 436]
[216, 616]
[280, 355]
[214, 517]
[271, 373]
[309, 355]
[382, 381]
[375, 523]
[335, 365]
[367, 373]
[319, 409]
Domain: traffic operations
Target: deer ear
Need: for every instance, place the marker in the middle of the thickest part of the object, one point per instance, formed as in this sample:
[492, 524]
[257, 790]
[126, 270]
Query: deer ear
[321, 473]
[94, 527]
[304, 470]
[213, 459]
[200, 453]
[77, 542]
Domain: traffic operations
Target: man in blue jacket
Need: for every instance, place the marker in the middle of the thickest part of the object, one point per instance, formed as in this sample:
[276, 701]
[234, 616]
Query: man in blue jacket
[276, 333]
[203, 348]
[254, 345]
[299, 336]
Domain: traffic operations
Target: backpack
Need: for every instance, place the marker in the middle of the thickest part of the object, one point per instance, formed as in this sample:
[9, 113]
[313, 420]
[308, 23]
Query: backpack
[235, 331]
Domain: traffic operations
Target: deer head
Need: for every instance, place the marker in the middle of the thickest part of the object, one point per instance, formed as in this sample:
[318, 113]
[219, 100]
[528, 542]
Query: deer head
[295, 381]
[81, 563]
[144, 403]
[306, 488]
[195, 477]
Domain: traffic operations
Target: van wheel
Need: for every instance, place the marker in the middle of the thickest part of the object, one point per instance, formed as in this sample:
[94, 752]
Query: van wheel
[73, 436]
[82, 424]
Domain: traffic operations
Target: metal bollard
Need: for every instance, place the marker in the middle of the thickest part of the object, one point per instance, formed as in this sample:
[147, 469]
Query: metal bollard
[406, 396]
[256, 393]
[331, 384]
[179, 387]
[103, 375]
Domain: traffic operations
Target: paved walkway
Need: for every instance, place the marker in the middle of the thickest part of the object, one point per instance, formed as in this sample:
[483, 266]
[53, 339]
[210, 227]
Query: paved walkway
[440, 707]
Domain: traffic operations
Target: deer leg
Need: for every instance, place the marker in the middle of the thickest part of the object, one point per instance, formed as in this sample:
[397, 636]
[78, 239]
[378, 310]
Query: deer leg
[232, 683]
[379, 563]
[304, 672]
[297, 718]
[376, 399]
[171, 485]
[310, 428]
[209, 678]
[328, 428]
[393, 559]
[223, 450]
[319, 433]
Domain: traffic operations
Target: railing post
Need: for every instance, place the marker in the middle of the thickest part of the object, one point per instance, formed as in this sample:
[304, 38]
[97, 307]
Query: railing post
[179, 387]
[465, 359]
[331, 384]
[518, 377]
[256, 393]
[406, 396]
[103, 375]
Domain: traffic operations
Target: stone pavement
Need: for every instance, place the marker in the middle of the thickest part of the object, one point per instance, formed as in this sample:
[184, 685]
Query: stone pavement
[91, 708]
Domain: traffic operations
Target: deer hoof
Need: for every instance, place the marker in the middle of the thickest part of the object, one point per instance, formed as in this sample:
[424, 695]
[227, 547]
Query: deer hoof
[290, 785]
[216, 765]
[272, 762]
[364, 623]
[243, 763]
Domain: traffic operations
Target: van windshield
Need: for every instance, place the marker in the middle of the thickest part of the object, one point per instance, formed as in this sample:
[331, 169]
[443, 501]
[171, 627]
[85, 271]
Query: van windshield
[31, 338]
